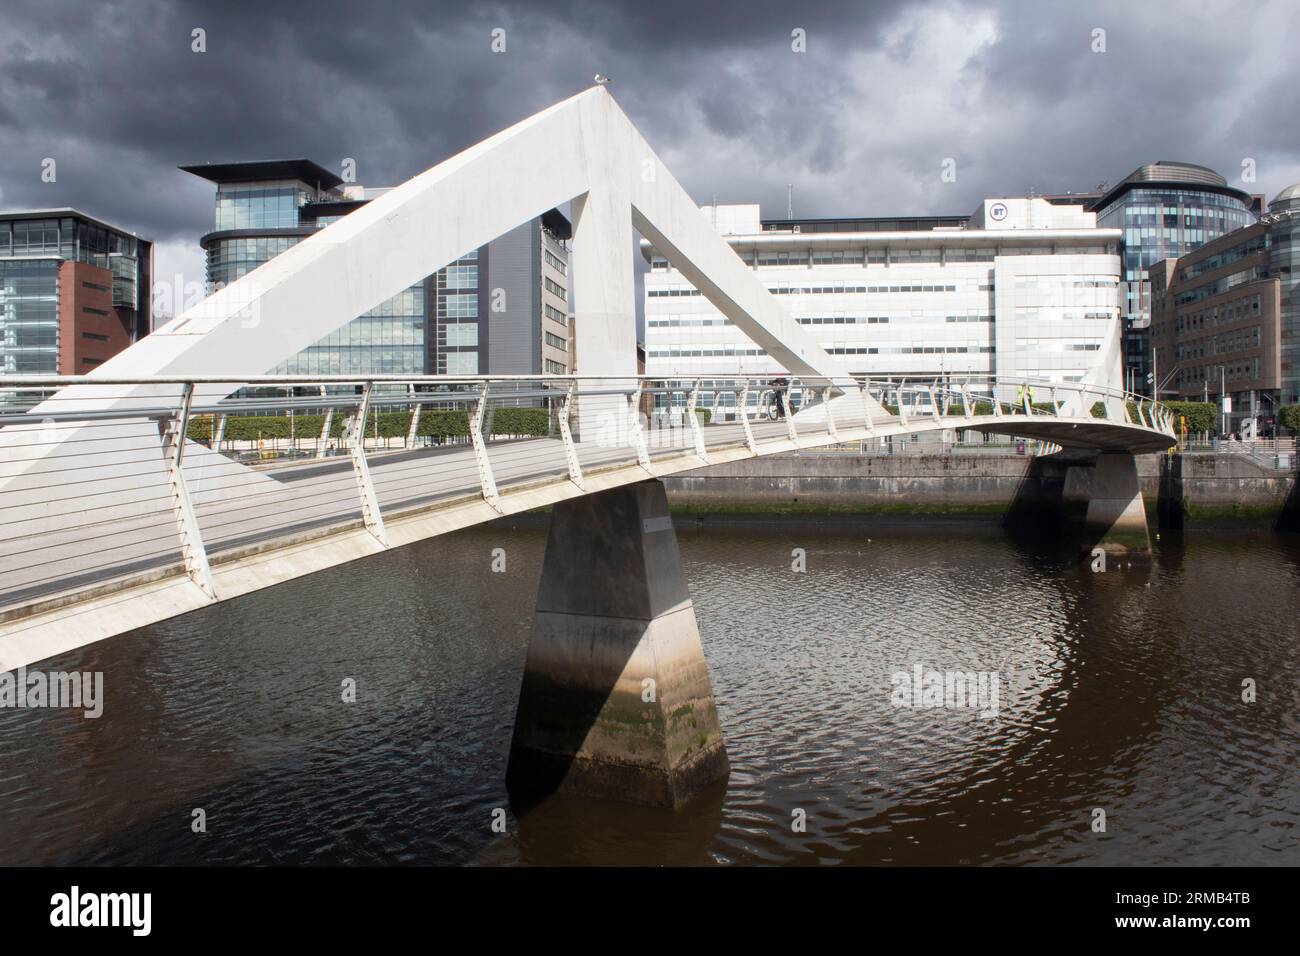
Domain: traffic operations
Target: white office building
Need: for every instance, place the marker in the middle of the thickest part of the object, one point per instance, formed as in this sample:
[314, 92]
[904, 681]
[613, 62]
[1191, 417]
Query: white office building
[1022, 287]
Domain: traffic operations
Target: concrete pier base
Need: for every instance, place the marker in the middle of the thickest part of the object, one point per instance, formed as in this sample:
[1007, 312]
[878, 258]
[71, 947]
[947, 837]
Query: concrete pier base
[1115, 518]
[615, 701]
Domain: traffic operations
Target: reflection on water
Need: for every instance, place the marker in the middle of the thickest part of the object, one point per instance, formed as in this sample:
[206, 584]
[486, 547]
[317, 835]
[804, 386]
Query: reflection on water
[1120, 691]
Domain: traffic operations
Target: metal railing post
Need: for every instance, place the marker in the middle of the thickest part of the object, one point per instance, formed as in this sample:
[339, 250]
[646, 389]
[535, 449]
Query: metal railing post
[866, 408]
[325, 428]
[790, 430]
[742, 405]
[830, 416]
[697, 430]
[370, 513]
[193, 553]
[415, 421]
[566, 435]
[220, 433]
[487, 483]
[634, 423]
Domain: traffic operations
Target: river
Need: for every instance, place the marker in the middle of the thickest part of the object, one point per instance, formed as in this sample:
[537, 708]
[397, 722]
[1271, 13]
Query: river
[1120, 692]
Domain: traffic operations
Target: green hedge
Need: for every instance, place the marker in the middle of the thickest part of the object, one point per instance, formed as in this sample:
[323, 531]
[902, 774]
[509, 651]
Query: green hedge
[1288, 416]
[704, 415]
[434, 423]
[1098, 410]
[1201, 416]
[518, 421]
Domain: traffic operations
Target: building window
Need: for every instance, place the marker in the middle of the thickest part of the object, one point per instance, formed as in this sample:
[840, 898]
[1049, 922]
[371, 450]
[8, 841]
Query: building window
[556, 289]
[459, 305]
[259, 206]
[457, 334]
[29, 317]
[461, 363]
[460, 277]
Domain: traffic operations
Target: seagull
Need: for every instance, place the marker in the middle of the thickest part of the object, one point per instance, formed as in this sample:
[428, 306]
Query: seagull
[601, 80]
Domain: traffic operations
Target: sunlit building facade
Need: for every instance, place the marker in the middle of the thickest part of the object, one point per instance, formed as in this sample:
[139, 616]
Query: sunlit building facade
[1226, 318]
[1023, 287]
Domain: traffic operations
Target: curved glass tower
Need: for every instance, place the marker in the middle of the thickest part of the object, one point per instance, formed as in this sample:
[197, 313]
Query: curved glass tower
[1164, 210]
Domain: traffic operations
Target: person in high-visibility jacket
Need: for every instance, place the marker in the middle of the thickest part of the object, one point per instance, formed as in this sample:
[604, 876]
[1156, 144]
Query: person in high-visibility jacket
[1020, 396]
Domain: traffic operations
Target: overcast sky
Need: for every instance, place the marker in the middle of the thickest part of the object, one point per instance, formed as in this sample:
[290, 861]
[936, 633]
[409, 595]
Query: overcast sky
[861, 123]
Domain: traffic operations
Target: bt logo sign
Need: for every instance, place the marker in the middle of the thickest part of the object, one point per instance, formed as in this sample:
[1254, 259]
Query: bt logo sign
[998, 212]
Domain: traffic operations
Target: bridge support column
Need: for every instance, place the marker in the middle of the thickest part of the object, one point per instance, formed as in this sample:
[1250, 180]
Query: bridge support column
[616, 701]
[1115, 519]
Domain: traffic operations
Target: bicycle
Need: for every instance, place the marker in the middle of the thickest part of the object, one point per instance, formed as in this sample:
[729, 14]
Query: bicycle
[775, 409]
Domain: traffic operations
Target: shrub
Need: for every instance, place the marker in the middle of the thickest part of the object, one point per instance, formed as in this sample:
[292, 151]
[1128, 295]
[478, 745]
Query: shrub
[519, 421]
[1288, 416]
[704, 415]
[1201, 416]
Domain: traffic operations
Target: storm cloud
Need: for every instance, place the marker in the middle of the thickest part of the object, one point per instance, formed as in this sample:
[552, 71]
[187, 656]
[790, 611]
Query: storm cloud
[1016, 94]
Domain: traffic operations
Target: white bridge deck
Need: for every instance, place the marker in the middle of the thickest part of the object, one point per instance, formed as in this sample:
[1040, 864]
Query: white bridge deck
[97, 546]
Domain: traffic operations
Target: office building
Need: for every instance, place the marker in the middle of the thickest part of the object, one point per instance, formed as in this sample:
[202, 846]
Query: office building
[499, 309]
[1226, 318]
[74, 291]
[1023, 287]
[1163, 210]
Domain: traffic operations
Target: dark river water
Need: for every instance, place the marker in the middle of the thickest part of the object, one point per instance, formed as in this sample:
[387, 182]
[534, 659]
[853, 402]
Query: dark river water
[1120, 692]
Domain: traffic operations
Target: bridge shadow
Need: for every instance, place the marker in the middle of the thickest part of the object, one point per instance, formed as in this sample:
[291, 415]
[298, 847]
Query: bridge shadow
[1037, 519]
[1171, 500]
[1288, 520]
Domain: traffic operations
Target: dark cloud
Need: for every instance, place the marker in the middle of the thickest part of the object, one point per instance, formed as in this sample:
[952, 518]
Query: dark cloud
[860, 123]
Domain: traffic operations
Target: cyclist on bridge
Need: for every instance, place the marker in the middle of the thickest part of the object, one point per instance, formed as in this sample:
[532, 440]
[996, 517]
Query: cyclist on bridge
[780, 387]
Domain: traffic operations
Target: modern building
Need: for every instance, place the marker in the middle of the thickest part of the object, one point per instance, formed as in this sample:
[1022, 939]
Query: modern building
[1163, 210]
[74, 291]
[1226, 318]
[1023, 287]
[499, 309]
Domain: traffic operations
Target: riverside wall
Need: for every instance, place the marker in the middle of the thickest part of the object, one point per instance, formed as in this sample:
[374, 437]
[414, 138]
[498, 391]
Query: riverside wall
[1210, 485]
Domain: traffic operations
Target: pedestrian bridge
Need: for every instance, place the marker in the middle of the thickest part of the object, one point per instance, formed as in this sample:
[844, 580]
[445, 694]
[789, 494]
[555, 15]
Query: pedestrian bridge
[109, 522]
[178, 475]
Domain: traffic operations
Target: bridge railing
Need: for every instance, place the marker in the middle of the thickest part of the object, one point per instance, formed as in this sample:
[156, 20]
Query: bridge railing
[106, 479]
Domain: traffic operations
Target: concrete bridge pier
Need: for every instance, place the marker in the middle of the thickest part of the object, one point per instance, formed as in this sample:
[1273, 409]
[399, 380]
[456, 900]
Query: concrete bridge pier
[615, 701]
[1110, 499]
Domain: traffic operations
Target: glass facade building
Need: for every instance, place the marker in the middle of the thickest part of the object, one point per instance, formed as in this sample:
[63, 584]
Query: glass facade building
[1226, 318]
[73, 292]
[448, 323]
[1284, 263]
[264, 209]
[1164, 211]
[29, 316]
